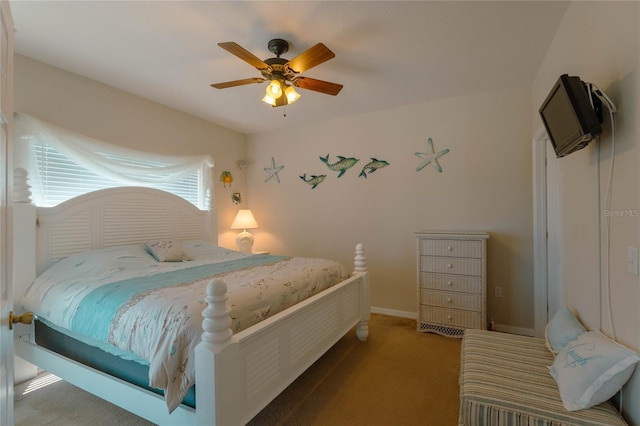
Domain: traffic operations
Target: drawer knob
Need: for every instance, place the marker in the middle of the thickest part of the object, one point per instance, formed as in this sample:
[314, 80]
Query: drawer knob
[448, 317]
[449, 283]
[449, 300]
[449, 266]
[449, 248]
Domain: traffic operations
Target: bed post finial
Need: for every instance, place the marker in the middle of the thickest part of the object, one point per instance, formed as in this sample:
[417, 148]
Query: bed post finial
[216, 324]
[360, 261]
[208, 200]
[21, 191]
[360, 266]
[217, 362]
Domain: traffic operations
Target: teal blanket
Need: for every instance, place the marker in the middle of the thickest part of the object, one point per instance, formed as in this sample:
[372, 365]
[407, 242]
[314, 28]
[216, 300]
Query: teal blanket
[94, 314]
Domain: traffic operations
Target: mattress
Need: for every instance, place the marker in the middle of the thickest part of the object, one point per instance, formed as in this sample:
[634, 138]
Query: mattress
[505, 381]
[127, 369]
[126, 302]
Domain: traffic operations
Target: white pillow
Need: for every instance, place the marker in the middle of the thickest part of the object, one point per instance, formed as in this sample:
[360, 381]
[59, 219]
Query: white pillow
[562, 329]
[167, 250]
[591, 369]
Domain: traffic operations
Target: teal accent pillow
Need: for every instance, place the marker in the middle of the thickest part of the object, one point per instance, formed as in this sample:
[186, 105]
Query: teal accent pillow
[591, 369]
[167, 250]
[563, 328]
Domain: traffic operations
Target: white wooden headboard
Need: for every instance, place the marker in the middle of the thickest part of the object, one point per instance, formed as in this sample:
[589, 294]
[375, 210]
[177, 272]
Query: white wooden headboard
[113, 217]
[104, 218]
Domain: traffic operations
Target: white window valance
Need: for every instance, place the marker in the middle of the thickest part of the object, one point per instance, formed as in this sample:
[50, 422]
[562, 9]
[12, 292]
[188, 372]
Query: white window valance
[120, 165]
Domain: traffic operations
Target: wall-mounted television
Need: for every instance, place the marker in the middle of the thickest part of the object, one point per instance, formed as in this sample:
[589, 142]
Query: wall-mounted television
[569, 117]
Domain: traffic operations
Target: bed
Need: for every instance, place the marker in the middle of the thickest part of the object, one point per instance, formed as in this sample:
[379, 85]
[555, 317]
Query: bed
[505, 380]
[237, 372]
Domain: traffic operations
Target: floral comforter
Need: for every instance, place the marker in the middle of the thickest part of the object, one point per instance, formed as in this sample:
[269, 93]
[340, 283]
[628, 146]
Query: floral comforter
[123, 298]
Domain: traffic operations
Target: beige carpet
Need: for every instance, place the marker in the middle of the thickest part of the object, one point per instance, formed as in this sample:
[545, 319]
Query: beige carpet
[397, 377]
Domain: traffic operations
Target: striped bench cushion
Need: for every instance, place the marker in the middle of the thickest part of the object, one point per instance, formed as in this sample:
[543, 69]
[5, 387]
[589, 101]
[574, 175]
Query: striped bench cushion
[505, 380]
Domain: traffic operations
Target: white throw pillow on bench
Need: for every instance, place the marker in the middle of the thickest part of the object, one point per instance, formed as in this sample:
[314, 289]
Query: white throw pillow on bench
[591, 369]
[563, 328]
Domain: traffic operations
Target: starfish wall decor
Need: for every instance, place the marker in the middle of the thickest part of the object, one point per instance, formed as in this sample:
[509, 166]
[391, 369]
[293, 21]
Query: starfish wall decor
[273, 171]
[430, 157]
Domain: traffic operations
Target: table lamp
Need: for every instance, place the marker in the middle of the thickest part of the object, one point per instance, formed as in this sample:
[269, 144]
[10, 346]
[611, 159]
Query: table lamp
[244, 220]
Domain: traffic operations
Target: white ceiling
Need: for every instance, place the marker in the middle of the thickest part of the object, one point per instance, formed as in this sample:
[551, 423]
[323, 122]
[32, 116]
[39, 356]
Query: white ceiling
[388, 53]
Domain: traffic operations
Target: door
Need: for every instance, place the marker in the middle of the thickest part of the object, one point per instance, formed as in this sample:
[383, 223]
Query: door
[6, 223]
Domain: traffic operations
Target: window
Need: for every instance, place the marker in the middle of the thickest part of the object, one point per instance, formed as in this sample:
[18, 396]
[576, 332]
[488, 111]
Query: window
[62, 179]
[63, 165]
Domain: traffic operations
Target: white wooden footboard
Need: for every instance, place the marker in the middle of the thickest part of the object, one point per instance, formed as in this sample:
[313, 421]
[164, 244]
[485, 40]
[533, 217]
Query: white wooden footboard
[251, 368]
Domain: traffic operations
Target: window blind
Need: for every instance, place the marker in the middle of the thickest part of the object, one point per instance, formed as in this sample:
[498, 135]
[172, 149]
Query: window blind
[62, 179]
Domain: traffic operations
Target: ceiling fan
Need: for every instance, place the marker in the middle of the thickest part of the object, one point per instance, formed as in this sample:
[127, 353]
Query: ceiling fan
[283, 74]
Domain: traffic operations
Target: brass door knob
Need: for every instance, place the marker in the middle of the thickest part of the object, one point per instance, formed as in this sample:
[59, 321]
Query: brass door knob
[26, 318]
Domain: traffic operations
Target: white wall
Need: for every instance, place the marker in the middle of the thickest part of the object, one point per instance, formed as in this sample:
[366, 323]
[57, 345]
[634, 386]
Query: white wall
[104, 113]
[485, 185]
[599, 41]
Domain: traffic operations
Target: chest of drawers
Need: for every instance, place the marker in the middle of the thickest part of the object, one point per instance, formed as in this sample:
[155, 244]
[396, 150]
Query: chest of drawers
[452, 281]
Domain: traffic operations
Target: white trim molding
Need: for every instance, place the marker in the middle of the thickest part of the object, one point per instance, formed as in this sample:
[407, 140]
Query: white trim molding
[394, 313]
[540, 314]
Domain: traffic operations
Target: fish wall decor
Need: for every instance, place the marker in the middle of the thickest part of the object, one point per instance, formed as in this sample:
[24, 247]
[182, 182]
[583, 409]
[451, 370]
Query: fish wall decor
[372, 166]
[314, 180]
[342, 165]
[430, 157]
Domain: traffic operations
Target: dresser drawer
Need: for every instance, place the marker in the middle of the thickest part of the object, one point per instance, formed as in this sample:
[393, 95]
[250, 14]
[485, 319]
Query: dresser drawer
[466, 301]
[459, 283]
[451, 317]
[452, 248]
[451, 265]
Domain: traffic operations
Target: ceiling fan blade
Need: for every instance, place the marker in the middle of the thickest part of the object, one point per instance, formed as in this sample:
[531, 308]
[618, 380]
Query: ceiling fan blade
[310, 58]
[317, 85]
[242, 53]
[237, 82]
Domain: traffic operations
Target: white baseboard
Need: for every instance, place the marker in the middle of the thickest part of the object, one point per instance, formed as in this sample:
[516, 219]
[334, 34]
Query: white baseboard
[515, 330]
[412, 315]
[394, 312]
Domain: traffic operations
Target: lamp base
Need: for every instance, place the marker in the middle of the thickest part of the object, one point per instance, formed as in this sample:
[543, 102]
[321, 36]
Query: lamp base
[244, 241]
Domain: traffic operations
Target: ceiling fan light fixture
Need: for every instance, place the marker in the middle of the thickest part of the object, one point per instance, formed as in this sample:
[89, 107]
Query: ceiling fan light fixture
[273, 93]
[291, 94]
[280, 93]
[274, 89]
[268, 99]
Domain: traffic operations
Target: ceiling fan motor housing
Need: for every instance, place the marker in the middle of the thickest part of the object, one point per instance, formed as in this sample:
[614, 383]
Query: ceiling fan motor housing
[278, 69]
[278, 46]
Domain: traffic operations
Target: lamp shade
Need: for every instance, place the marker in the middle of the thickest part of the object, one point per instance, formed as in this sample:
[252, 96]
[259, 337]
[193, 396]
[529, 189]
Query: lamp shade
[244, 220]
[291, 94]
[269, 100]
[274, 89]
